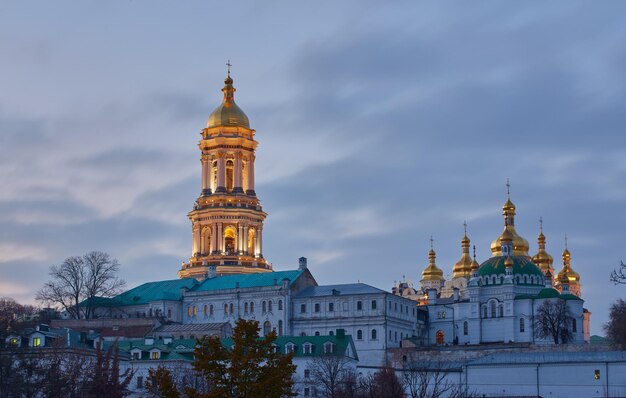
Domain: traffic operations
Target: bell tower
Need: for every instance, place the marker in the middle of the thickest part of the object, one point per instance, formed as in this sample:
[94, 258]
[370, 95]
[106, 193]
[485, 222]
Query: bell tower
[227, 218]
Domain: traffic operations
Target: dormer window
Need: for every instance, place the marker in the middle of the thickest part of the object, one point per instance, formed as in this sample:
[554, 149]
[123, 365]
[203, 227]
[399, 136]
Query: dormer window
[37, 342]
[290, 347]
[156, 354]
[307, 348]
[329, 348]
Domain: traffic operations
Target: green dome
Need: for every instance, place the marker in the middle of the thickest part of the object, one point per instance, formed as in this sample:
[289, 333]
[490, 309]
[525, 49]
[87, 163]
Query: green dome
[521, 266]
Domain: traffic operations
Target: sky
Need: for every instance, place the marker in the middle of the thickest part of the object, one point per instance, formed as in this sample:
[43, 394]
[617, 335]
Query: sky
[379, 124]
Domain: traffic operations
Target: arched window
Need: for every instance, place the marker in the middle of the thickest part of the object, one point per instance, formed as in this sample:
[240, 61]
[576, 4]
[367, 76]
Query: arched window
[439, 337]
[267, 328]
[211, 310]
[230, 167]
[264, 306]
[188, 311]
[245, 308]
[206, 310]
[574, 328]
[269, 306]
[206, 240]
[317, 332]
[493, 309]
[252, 306]
[522, 325]
[331, 333]
[225, 309]
[525, 279]
[359, 334]
[280, 305]
[500, 311]
[169, 312]
[231, 308]
[465, 328]
[195, 311]
[280, 328]
[485, 311]
[229, 240]
[373, 334]
[331, 307]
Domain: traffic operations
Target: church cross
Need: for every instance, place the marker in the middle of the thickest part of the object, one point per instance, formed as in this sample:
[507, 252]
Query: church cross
[228, 65]
[431, 241]
[508, 188]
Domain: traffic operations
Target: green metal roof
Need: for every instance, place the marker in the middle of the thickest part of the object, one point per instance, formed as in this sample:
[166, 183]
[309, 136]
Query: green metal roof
[247, 280]
[153, 291]
[317, 344]
[178, 349]
[546, 294]
[521, 266]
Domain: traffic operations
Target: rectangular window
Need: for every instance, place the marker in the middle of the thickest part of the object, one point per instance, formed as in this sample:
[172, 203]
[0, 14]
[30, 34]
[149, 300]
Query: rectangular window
[574, 325]
[374, 304]
[139, 381]
[155, 355]
[331, 307]
[307, 348]
[307, 373]
[302, 308]
[317, 307]
[135, 355]
[359, 305]
[307, 392]
[37, 342]
[14, 341]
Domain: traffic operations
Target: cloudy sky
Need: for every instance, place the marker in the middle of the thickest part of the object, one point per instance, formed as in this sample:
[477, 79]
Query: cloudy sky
[379, 124]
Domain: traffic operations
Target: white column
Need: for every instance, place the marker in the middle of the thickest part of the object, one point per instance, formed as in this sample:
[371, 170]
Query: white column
[221, 173]
[212, 171]
[260, 241]
[196, 240]
[200, 247]
[251, 175]
[214, 237]
[237, 174]
[246, 232]
[221, 238]
[203, 161]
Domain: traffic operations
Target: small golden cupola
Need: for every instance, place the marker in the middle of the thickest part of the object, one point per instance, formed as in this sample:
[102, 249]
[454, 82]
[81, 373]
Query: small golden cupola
[542, 259]
[228, 114]
[567, 272]
[463, 267]
[520, 245]
[432, 276]
[475, 266]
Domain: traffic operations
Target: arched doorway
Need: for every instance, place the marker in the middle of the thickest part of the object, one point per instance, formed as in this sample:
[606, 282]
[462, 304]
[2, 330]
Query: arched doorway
[229, 240]
[439, 337]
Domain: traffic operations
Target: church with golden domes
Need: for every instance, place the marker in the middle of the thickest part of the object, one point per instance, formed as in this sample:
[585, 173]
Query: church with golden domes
[497, 301]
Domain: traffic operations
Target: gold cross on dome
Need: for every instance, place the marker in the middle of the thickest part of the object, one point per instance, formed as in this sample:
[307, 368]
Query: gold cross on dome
[465, 226]
[228, 65]
[540, 224]
[431, 241]
[508, 188]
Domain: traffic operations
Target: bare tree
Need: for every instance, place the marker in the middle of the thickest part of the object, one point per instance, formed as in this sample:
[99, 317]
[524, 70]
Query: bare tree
[330, 374]
[10, 311]
[616, 326]
[427, 379]
[619, 275]
[553, 319]
[78, 282]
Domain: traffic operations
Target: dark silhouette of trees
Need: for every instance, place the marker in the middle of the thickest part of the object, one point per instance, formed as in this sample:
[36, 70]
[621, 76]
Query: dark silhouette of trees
[553, 319]
[616, 326]
[160, 383]
[105, 379]
[77, 284]
[10, 311]
[618, 275]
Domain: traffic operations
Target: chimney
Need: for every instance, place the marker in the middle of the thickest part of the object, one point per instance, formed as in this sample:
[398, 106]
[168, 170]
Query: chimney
[212, 272]
[302, 264]
[432, 296]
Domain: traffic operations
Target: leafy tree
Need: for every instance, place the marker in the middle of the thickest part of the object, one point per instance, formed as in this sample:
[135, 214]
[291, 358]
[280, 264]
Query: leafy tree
[553, 319]
[619, 275]
[160, 383]
[616, 326]
[78, 282]
[249, 369]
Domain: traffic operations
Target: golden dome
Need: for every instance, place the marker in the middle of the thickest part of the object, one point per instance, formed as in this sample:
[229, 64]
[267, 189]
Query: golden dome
[432, 272]
[508, 263]
[228, 114]
[542, 259]
[520, 245]
[567, 271]
[463, 267]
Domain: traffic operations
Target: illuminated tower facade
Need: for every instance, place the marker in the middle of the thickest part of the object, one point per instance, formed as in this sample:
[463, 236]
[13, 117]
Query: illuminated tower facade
[227, 218]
